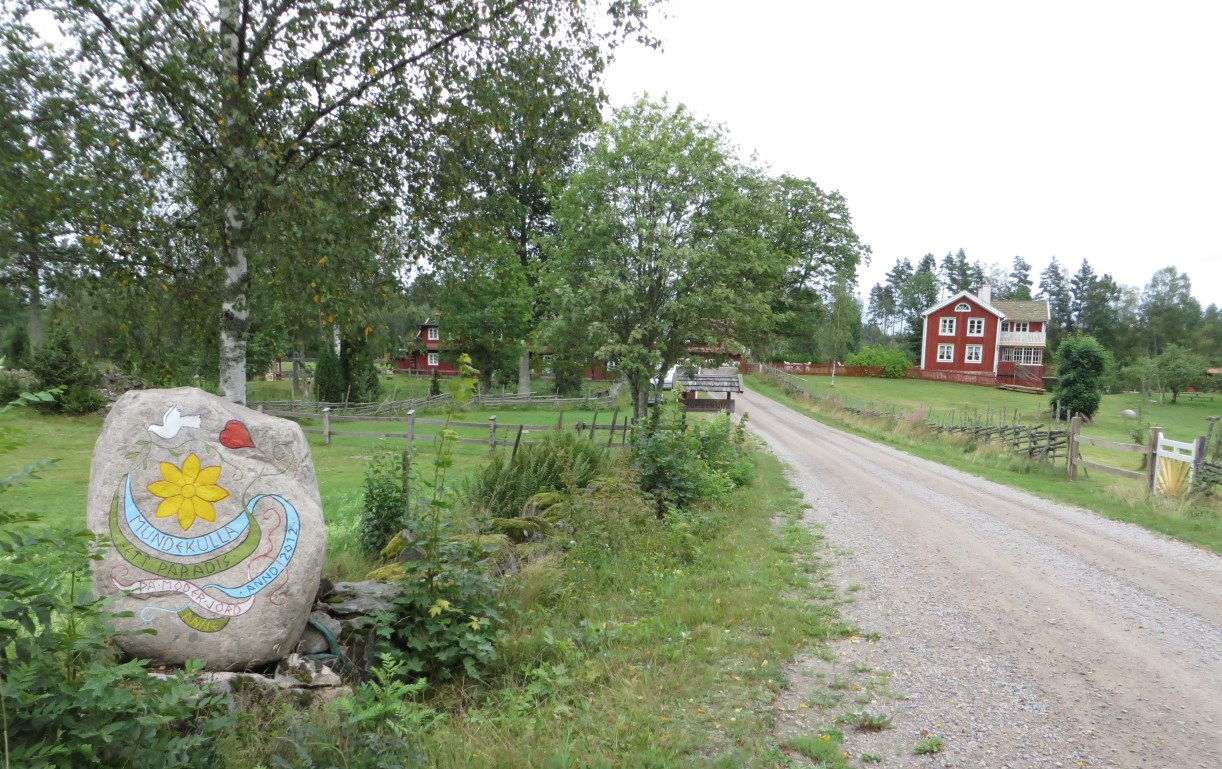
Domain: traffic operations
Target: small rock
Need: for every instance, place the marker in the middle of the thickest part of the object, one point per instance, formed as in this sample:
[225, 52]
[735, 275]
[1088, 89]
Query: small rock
[1128, 414]
[314, 642]
[297, 672]
[367, 597]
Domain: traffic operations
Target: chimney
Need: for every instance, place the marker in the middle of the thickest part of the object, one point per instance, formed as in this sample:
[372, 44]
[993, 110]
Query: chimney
[986, 294]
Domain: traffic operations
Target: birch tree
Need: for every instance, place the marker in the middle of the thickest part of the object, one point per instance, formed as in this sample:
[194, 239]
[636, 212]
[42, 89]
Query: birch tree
[250, 94]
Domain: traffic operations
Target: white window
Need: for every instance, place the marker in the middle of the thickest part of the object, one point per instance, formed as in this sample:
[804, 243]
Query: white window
[1027, 356]
[946, 353]
[963, 307]
[433, 359]
[946, 326]
[975, 326]
[434, 333]
[1016, 325]
[973, 353]
[548, 358]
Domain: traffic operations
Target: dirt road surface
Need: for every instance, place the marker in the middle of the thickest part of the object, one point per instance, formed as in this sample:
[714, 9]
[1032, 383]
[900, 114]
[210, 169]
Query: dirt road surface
[1023, 632]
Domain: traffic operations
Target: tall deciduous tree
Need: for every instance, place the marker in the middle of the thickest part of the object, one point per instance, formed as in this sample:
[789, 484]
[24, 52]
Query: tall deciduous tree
[1170, 312]
[251, 95]
[1180, 368]
[658, 246]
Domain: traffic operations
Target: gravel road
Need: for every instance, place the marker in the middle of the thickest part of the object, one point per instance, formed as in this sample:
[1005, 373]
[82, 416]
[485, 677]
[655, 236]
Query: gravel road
[1025, 633]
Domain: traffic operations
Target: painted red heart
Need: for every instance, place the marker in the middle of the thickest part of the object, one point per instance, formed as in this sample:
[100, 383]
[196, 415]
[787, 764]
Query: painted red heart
[236, 436]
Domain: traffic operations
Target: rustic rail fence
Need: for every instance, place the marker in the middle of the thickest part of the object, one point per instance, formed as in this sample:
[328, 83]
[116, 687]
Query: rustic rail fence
[961, 377]
[433, 402]
[499, 433]
[1042, 441]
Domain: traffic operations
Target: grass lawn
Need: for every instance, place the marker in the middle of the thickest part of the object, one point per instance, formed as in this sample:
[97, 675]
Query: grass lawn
[1197, 520]
[59, 498]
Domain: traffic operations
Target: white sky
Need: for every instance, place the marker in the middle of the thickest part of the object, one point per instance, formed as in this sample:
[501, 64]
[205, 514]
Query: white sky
[1076, 129]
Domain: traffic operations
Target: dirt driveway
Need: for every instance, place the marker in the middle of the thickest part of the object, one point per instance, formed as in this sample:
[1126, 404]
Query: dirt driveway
[1025, 633]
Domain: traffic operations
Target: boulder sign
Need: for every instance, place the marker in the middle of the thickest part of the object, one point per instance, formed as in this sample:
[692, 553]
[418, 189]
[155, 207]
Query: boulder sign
[215, 528]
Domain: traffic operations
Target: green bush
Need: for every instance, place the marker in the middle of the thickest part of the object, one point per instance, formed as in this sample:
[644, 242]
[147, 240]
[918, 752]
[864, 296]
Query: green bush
[892, 360]
[678, 464]
[65, 701]
[385, 505]
[560, 461]
[328, 377]
[58, 363]
[1081, 364]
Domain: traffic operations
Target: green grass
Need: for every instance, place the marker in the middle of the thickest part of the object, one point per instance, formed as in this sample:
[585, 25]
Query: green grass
[1197, 520]
[645, 661]
[60, 497]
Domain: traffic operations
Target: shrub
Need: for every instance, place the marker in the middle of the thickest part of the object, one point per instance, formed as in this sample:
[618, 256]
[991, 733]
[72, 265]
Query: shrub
[65, 702]
[678, 465]
[328, 377]
[385, 504]
[892, 360]
[560, 461]
[58, 363]
[435, 384]
[1081, 363]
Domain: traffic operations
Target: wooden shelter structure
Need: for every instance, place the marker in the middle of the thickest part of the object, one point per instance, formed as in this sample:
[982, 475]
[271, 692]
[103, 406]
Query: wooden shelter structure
[713, 381]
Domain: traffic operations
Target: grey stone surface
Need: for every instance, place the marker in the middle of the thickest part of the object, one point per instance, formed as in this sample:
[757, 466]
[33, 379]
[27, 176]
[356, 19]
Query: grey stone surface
[216, 525]
[368, 597]
[297, 672]
[314, 642]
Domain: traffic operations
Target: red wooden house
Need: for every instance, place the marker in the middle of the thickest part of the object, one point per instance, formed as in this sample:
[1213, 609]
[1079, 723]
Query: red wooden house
[429, 359]
[969, 333]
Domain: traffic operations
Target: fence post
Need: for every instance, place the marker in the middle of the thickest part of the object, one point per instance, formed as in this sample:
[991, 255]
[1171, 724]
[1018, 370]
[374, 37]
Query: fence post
[614, 419]
[517, 440]
[492, 433]
[260, 407]
[411, 429]
[326, 426]
[1156, 435]
[1075, 426]
[1198, 457]
[593, 424]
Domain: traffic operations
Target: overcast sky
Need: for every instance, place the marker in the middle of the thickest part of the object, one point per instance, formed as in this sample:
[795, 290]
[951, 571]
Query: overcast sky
[1084, 130]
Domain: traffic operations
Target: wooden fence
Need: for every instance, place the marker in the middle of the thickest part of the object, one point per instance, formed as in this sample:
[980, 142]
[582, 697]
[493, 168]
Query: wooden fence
[400, 408]
[1038, 441]
[499, 434]
[962, 377]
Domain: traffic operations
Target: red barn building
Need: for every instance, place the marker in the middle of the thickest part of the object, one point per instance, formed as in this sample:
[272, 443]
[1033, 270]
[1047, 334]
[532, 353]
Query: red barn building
[969, 333]
[428, 360]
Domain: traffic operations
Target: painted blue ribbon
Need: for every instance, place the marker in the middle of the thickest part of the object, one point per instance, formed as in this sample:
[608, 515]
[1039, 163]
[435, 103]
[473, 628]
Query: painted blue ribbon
[144, 530]
[292, 533]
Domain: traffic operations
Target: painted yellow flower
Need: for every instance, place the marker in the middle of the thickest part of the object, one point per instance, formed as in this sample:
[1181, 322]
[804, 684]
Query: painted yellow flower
[188, 493]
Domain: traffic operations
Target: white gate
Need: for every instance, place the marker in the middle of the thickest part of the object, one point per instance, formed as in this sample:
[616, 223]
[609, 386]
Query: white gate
[1176, 463]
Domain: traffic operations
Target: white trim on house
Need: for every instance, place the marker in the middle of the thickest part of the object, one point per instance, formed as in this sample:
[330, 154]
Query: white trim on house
[434, 359]
[978, 323]
[960, 296]
[946, 353]
[434, 334]
[973, 353]
[946, 326]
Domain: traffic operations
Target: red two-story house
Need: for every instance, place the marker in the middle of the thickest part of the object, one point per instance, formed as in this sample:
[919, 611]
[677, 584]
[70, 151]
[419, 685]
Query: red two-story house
[428, 360]
[969, 333]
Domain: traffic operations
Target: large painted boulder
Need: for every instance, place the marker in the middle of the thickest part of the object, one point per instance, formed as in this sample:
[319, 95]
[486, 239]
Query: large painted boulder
[216, 528]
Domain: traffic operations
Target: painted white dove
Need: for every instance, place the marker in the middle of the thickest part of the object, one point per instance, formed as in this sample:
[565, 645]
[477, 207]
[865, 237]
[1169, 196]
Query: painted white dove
[172, 422]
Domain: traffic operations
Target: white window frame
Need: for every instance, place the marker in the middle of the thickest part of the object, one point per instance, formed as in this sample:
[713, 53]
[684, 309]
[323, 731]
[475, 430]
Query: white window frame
[434, 334]
[977, 324]
[1021, 326]
[946, 353]
[434, 359]
[946, 326]
[973, 353]
[963, 307]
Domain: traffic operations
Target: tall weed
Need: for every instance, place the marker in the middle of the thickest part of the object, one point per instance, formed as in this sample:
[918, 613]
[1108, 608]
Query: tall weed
[560, 461]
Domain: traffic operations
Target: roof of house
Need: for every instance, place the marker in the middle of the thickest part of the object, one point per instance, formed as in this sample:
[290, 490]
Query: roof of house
[719, 380]
[1028, 310]
[964, 295]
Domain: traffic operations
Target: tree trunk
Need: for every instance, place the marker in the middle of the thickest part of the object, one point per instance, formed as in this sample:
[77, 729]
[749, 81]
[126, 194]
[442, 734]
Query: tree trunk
[235, 314]
[524, 372]
[34, 328]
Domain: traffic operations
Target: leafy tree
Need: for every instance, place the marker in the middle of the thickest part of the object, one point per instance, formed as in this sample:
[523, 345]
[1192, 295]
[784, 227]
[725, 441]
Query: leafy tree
[328, 376]
[1020, 279]
[1170, 313]
[1209, 335]
[1081, 363]
[1180, 368]
[658, 245]
[66, 189]
[252, 99]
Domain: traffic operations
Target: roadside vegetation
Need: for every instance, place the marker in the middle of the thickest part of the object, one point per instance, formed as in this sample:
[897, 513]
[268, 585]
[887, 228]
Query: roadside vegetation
[1197, 519]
